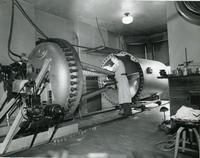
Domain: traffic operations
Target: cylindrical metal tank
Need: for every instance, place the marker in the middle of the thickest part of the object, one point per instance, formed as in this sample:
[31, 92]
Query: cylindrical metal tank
[143, 76]
[152, 84]
[65, 72]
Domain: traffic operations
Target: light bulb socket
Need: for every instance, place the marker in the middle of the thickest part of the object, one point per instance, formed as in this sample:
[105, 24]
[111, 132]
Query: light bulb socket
[127, 19]
[127, 14]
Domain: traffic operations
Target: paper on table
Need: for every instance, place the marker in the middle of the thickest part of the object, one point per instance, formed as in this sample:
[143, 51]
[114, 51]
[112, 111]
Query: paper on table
[187, 113]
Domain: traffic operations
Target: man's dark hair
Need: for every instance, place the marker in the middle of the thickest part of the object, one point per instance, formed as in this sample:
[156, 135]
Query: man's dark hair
[127, 56]
[116, 56]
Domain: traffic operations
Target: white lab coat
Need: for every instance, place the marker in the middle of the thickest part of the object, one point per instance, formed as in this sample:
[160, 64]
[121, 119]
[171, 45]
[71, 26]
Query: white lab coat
[124, 94]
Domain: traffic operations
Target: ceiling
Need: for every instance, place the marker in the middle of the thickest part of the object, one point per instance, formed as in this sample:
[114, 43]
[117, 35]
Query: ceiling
[149, 16]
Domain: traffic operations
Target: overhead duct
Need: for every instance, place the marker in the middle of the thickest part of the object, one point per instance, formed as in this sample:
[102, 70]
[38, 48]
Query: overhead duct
[189, 10]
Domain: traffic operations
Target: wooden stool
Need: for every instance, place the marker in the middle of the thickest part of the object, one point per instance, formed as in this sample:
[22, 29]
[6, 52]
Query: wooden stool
[181, 137]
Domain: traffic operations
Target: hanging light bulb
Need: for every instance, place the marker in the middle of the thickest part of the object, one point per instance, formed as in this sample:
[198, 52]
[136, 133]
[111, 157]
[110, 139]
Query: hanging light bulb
[127, 19]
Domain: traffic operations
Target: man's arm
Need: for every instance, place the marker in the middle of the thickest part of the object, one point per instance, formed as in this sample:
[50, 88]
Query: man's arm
[110, 68]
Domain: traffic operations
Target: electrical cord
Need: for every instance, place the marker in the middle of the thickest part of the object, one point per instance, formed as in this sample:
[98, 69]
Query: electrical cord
[100, 32]
[10, 52]
[20, 8]
[168, 144]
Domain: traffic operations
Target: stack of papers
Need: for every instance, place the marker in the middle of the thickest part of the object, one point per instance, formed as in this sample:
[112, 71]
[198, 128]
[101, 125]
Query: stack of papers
[187, 114]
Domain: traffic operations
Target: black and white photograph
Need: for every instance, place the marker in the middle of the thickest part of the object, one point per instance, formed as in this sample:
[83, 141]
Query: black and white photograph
[99, 79]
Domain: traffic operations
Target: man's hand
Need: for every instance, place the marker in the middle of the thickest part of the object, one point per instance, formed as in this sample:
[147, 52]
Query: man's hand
[112, 87]
[124, 74]
[108, 68]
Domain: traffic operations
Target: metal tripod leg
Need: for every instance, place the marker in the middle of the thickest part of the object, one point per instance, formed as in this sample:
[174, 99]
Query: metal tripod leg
[3, 99]
[11, 133]
[7, 107]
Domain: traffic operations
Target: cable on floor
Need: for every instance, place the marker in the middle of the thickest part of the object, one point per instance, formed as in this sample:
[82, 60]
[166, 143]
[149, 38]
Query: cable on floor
[168, 144]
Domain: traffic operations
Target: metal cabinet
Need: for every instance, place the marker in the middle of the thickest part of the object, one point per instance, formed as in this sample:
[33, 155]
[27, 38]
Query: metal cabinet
[184, 90]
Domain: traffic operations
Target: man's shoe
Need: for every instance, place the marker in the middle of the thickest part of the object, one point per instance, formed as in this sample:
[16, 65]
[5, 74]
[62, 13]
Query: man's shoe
[121, 112]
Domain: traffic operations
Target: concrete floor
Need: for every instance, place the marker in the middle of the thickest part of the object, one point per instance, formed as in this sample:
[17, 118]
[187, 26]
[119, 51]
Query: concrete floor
[134, 137]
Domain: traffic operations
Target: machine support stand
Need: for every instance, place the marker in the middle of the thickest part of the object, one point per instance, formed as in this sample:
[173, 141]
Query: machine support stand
[54, 129]
[42, 73]
[7, 107]
[12, 131]
[33, 140]
[3, 99]
[4, 146]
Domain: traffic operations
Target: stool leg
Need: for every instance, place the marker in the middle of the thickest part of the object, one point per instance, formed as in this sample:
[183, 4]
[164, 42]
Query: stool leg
[191, 135]
[184, 140]
[178, 133]
[198, 139]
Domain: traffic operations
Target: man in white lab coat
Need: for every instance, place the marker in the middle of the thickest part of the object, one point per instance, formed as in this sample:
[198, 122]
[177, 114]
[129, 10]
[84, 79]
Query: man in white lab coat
[124, 94]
